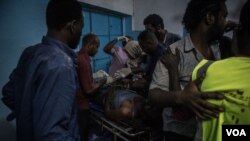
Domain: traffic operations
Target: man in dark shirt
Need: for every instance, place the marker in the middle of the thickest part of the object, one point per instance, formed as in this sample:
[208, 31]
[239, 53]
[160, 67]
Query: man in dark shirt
[154, 50]
[42, 89]
[87, 87]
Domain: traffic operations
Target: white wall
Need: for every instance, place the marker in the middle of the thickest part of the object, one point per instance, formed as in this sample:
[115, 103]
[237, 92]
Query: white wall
[172, 12]
[122, 6]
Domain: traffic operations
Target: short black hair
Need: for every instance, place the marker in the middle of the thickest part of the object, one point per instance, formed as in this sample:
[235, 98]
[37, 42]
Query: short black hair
[89, 38]
[197, 9]
[154, 19]
[59, 12]
[146, 35]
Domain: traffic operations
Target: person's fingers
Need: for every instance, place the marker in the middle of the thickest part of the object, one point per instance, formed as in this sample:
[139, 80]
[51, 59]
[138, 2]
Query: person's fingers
[169, 51]
[167, 54]
[117, 75]
[198, 112]
[164, 58]
[212, 95]
[204, 110]
[198, 81]
[209, 108]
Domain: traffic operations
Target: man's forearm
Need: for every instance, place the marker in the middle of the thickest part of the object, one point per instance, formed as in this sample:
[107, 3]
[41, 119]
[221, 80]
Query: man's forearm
[174, 84]
[163, 98]
[109, 46]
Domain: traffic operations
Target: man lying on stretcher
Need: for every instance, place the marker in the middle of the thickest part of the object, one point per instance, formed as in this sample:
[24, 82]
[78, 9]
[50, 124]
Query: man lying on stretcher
[120, 103]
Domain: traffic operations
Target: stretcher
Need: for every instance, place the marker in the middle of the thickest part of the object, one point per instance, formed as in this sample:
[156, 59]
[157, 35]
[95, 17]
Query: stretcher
[126, 130]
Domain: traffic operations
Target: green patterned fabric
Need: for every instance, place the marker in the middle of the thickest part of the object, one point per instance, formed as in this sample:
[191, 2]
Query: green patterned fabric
[231, 77]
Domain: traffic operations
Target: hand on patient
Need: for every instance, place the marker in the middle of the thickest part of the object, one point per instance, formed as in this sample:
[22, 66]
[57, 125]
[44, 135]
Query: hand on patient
[197, 101]
[122, 73]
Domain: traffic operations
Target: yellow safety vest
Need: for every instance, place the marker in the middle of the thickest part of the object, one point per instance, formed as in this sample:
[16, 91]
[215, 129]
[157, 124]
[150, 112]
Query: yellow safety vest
[230, 77]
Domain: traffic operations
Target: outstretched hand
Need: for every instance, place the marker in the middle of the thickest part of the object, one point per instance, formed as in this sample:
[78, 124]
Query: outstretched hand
[170, 60]
[197, 101]
[122, 38]
[122, 73]
[103, 81]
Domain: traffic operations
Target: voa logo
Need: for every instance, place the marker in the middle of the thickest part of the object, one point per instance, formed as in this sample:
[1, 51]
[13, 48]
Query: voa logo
[236, 132]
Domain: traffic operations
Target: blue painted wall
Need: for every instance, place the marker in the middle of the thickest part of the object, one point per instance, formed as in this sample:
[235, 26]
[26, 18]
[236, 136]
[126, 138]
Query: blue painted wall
[22, 23]
[107, 26]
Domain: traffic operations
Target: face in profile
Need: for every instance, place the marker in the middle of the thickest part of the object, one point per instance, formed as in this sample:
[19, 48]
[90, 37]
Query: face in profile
[94, 47]
[217, 29]
[156, 30]
[76, 33]
[148, 46]
[149, 27]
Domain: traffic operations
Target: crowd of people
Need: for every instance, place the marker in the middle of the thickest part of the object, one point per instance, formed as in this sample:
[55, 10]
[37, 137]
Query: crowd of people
[193, 84]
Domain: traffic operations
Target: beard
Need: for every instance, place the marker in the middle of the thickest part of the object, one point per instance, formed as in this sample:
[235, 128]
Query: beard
[93, 54]
[74, 41]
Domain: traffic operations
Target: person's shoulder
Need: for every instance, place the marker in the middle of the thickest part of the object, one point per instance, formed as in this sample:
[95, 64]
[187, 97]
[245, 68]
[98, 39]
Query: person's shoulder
[174, 36]
[198, 68]
[83, 58]
[119, 51]
[118, 48]
[178, 44]
[28, 52]
[54, 57]
[115, 49]
[31, 48]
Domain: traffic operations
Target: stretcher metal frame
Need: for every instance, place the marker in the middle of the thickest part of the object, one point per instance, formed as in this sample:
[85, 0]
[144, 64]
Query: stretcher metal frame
[122, 129]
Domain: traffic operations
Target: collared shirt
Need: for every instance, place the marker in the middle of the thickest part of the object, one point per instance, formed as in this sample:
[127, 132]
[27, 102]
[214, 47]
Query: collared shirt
[43, 87]
[119, 60]
[84, 71]
[171, 38]
[189, 58]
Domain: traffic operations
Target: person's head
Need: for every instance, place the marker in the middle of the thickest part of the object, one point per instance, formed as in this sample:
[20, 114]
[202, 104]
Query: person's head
[154, 23]
[133, 49]
[206, 13]
[148, 41]
[243, 35]
[64, 19]
[90, 44]
[125, 42]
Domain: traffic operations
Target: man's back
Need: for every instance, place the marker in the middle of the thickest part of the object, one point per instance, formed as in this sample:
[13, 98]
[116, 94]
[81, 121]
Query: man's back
[41, 87]
[231, 78]
[119, 59]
